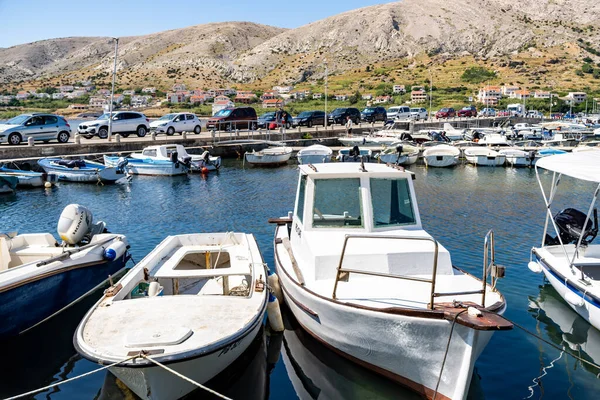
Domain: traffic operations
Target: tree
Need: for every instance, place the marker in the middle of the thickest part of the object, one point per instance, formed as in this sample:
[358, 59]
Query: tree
[587, 68]
[477, 75]
[126, 101]
[355, 97]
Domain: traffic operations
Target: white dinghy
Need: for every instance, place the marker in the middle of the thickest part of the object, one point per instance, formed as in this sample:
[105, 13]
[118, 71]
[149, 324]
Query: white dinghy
[361, 275]
[570, 261]
[315, 154]
[441, 156]
[519, 158]
[399, 153]
[483, 156]
[269, 157]
[194, 303]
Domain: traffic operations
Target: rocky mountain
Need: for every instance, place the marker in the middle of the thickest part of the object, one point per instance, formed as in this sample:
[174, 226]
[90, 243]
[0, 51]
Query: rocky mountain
[246, 52]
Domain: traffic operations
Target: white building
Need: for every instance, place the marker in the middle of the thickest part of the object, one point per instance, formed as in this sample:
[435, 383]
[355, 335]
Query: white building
[487, 93]
[542, 95]
[22, 95]
[341, 97]
[178, 87]
[576, 97]
[42, 95]
[521, 94]
[128, 92]
[58, 96]
[317, 96]
[149, 90]
[507, 91]
[283, 89]
[367, 97]
[219, 105]
[66, 88]
[98, 102]
[399, 89]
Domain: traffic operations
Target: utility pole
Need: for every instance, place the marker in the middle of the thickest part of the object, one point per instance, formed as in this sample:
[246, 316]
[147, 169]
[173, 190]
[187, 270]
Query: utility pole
[112, 92]
[326, 118]
[430, 93]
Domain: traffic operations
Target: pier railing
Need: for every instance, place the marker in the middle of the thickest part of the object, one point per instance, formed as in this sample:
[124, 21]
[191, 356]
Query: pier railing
[489, 267]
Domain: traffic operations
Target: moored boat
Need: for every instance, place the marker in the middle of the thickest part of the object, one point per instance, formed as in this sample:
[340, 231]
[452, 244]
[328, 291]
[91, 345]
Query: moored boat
[315, 154]
[354, 154]
[29, 178]
[271, 156]
[160, 160]
[441, 156]
[483, 156]
[361, 275]
[569, 260]
[399, 153]
[79, 170]
[8, 184]
[196, 302]
[39, 277]
[519, 158]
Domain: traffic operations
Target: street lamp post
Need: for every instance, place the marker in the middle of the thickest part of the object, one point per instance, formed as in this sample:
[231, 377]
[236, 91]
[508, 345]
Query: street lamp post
[430, 93]
[112, 92]
[326, 118]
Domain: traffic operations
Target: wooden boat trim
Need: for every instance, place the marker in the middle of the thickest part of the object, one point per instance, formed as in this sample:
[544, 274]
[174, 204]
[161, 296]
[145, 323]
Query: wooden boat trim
[443, 311]
[417, 387]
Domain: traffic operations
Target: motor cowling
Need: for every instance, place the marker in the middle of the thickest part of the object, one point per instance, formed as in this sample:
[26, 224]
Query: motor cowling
[74, 223]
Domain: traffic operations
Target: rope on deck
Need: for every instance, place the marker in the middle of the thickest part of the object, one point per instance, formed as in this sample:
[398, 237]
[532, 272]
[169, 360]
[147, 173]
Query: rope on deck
[185, 378]
[70, 379]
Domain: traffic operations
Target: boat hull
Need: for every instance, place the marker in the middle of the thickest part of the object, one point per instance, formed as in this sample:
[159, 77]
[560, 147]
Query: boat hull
[486, 161]
[314, 158]
[440, 161]
[28, 303]
[590, 310]
[387, 343]
[149, 167]
[267, 159]
[157, 383]
[105, 174]
[405, 159]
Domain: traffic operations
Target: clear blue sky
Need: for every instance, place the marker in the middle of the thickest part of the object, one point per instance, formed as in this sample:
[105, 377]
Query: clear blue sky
[24, 21]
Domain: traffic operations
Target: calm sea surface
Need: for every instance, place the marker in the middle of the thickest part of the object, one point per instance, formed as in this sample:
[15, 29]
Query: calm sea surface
[458, 206]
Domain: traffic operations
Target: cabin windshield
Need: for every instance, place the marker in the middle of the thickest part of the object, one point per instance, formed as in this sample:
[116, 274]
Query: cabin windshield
[337, 203]
[392, 204]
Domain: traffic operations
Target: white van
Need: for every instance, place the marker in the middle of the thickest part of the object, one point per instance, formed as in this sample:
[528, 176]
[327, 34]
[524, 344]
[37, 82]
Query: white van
[398, 112]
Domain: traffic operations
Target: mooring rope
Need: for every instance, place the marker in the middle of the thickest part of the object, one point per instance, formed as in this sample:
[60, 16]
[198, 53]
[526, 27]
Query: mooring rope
[446, 353]
[185, 378]
[70, 379]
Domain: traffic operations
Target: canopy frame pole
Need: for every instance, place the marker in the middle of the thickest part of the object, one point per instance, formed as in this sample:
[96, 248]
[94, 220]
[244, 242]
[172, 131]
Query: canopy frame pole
[587, 218]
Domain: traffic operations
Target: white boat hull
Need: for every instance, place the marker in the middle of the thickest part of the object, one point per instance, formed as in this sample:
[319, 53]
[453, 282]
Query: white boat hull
[486, 161]
[516, 161]
[267, 159]
[148, 167]
[404, 159]
[314, 159]
[440, 161]
[156, 383]
[386, 342]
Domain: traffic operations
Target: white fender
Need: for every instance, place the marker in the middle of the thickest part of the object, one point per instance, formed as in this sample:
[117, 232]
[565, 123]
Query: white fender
[115, 250]
[534, 267]
[274, 314]
[573, 299]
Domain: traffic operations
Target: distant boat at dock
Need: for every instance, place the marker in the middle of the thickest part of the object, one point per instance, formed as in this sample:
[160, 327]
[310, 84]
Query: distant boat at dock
[80, 170]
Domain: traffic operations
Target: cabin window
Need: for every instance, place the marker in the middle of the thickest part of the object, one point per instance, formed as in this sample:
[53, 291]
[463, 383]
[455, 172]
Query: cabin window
[337, 203]
[300, 199]
[150, 153]
[392, 204]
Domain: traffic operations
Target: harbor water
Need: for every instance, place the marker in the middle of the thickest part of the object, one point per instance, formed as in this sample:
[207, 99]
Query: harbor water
[458, 206]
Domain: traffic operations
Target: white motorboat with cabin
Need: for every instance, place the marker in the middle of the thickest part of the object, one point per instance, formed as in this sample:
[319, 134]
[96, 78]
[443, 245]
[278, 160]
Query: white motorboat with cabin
[484, 156]
[40, 277]
[269, 157]
[441, 156]
[195, 303]
[361, 275]
[519, 158]
[570, 261]
[493, 139]
[314, 154]
[399, 153]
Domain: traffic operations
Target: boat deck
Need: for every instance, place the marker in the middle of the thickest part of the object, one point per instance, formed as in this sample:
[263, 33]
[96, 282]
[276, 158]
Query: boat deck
[172, 324]
[379, 292]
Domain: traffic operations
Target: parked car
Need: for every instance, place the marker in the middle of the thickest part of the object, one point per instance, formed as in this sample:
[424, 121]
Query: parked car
[399, 112]
[44, 127]
[468, 111]
[274, 124]
[534, 114]
[418, 113]
[123, 123]
[339, 115]
[372, 114]
[233, 118]
[176, 122]
[446, 112]
[487, 112]
[264, 120]
[309, 118]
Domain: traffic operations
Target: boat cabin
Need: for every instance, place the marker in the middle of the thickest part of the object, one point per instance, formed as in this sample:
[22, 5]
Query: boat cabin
[164, 152]
[366, 215]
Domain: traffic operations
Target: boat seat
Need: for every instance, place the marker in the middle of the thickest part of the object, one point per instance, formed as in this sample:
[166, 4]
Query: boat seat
[4, 254]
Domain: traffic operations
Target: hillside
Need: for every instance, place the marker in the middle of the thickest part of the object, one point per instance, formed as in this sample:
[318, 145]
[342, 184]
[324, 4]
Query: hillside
[537, 43]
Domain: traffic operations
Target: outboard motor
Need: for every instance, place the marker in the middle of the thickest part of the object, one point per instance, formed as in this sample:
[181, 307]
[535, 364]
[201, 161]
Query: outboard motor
[74, 224]
[399, 149]
[187, 161]
[175, 159]
[570, 227]
[121, 163]
[355, 153]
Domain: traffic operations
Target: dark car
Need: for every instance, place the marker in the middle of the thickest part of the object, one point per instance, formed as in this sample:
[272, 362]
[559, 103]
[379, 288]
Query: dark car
[233, 118]
[265, 119]
[309, 118]
[468, 111]
[339, 116]
[446, 113]
[372, 114]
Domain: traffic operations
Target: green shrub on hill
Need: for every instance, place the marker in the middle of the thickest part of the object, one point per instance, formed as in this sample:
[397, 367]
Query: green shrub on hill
[477, 75]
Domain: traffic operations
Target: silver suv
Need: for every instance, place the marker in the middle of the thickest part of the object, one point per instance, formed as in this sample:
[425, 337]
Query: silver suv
[44, 127]
[123, 122]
